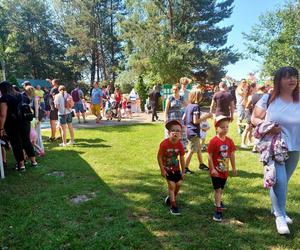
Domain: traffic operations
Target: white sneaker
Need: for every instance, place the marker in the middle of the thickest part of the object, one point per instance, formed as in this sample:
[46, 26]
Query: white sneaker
[281, 225]
[244, 146]
[62, 144]
[288, 220]
[71, 143]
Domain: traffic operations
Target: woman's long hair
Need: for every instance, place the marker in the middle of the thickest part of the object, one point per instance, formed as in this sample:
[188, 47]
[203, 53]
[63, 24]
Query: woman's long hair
[6, 88]
[281, 73]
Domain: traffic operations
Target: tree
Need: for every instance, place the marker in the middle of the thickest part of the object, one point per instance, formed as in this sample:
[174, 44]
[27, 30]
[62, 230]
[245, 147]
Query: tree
[167, 39]
[276, 38]
[93, 35]
[33, 48]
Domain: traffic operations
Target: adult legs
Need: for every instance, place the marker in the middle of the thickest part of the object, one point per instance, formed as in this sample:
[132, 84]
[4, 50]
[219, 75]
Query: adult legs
[278, 192]
[53, 128]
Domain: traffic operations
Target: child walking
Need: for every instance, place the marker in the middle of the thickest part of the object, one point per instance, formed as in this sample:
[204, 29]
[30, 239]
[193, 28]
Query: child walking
[192, 119]
[167, 157]
[220, 151]
[204, 127]
[34, 137]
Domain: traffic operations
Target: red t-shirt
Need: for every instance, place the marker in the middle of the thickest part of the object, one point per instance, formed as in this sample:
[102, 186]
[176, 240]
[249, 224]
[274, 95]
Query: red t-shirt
[169, 153]
[221, 151]
[118, 96]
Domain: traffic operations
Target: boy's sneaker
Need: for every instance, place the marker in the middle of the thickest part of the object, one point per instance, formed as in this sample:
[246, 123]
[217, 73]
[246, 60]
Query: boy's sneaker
[202, 166]
[175, 211]
[288, 220]
[62, 145]
[188, 171]
[218, 216]
[281, 225]
[167, 201]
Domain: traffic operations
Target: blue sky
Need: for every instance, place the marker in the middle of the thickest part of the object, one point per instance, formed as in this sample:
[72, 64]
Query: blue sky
[245, 15]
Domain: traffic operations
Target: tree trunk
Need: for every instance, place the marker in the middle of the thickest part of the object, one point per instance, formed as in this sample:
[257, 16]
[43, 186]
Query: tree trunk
[3, 69]
[112, 40]
[170, 16]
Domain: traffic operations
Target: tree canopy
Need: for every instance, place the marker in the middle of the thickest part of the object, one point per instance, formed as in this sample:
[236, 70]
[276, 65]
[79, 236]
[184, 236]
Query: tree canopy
[276, 38]
[115, 40]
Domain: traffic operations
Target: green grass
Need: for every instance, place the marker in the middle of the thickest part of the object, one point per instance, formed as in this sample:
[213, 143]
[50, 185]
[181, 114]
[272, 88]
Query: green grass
[118, 164]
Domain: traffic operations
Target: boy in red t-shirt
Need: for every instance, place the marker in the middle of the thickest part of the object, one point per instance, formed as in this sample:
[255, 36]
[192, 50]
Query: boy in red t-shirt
[167, 158]
[220, 151]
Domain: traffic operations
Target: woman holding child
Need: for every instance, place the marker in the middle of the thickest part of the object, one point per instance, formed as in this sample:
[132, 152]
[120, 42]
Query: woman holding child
[283, 100]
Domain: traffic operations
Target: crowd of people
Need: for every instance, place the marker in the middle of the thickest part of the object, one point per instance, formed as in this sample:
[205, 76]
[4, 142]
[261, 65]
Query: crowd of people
[23, 109]
[268, 120]
[270, 114]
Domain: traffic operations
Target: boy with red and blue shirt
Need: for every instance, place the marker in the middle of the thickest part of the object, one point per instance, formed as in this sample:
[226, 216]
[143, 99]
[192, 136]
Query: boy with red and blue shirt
[220, 152]
[167, 157]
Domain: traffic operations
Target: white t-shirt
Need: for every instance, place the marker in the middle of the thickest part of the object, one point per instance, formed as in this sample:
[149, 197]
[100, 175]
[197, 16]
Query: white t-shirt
[59, 102]
[287, 115]
[204, 125]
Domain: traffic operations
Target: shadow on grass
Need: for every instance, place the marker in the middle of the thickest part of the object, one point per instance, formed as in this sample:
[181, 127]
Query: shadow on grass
[37, 213]
[247, 222]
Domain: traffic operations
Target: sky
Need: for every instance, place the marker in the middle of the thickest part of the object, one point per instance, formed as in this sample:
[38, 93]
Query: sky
[245, 15]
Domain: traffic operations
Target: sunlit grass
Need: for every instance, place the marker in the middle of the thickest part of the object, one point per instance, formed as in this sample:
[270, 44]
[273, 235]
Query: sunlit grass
[118, 165]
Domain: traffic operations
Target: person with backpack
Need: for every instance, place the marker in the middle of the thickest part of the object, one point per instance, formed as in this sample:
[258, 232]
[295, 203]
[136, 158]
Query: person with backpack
[77, 96]
[64, 103]
[15, 117]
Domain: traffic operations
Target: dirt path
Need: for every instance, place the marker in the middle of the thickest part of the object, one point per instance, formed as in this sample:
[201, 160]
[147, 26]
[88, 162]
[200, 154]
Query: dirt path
[136, 119]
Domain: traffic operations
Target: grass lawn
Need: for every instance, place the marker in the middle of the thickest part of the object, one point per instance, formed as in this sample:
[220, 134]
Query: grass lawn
[116, 168]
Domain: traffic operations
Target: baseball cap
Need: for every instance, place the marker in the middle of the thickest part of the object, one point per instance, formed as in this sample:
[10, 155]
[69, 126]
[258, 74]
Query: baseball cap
[170, 123]
[220, 118]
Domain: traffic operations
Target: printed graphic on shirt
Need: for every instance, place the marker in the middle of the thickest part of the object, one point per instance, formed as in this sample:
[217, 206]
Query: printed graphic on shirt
[170, 159]
[223, 159]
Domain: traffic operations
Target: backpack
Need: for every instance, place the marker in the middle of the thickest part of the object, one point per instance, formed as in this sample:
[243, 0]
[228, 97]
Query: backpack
[75, 95]
[24, 110]
[69, 103]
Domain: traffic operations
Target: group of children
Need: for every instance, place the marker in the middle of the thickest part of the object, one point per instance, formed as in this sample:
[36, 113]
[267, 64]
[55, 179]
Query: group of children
[171, 155]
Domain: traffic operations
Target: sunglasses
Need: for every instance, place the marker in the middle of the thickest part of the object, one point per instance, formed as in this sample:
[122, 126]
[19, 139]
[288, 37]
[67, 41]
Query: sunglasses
[175, 131]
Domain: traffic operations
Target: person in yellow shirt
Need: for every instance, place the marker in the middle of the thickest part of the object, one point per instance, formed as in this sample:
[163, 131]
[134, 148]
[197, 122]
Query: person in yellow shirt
[40, 94]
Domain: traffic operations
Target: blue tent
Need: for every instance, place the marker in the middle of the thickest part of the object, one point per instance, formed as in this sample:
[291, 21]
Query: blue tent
[35, 82]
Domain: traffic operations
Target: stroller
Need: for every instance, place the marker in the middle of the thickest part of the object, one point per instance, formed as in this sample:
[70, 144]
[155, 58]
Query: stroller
[111, 110]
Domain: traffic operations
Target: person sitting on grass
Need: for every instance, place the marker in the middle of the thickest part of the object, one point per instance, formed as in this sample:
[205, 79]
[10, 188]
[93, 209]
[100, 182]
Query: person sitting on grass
[220, 150]
[167, 158]
[192, 120]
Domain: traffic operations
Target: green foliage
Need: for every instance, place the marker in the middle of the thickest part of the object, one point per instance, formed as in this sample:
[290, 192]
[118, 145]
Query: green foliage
[277, 38]
[31, 40]
[13, 80]
[170, 39]
[141, 89]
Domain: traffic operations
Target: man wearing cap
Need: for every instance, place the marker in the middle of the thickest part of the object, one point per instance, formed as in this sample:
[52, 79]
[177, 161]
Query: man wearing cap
[222, 102]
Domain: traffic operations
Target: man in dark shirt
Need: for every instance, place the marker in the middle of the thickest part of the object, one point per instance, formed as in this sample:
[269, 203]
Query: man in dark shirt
[222, 102]
[154, 97]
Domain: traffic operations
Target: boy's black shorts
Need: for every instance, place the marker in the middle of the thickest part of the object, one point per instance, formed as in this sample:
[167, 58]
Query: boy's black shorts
[218, 182]
[174, 176]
